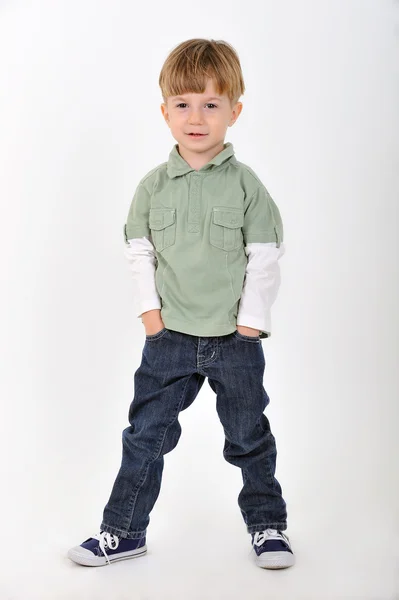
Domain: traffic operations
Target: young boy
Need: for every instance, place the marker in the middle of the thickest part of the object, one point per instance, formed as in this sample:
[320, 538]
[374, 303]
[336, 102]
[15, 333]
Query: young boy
[203, 237]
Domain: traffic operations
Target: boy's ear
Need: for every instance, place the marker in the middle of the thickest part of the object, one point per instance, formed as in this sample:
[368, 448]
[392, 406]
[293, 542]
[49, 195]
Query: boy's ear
[237, 108]
[164, 110]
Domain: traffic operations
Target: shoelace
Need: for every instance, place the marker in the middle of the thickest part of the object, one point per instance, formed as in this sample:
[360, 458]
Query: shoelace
[108, 540]
[269, 534]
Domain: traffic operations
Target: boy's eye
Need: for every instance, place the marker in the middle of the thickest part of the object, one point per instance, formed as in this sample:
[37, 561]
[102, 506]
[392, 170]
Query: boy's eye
[184, 104]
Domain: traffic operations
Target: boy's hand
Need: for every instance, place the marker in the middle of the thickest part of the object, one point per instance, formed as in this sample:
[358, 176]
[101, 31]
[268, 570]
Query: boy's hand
[248, 331]
[152, 321]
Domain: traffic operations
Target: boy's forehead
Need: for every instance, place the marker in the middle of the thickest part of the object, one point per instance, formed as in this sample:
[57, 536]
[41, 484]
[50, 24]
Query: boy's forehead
[207, 95]
[203, 95]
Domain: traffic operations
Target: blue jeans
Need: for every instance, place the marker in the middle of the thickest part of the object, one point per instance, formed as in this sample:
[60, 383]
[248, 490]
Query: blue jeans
[173, 368]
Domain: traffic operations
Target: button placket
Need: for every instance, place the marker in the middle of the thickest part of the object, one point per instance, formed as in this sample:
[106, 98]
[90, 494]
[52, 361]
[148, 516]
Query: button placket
[194, 205]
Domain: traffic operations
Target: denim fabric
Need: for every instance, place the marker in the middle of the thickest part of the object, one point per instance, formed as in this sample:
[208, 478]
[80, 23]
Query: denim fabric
[173, 368]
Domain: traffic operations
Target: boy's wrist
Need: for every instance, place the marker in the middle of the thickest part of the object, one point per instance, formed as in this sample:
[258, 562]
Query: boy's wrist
[152, 321]
[151, 315]
[248, 330]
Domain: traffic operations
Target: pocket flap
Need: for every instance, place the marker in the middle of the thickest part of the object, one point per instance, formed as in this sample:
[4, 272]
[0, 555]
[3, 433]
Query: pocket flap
[159, 218]
[228, 217]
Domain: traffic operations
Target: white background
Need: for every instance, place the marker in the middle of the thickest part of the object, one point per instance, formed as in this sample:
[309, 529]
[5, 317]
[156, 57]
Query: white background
[80, 124]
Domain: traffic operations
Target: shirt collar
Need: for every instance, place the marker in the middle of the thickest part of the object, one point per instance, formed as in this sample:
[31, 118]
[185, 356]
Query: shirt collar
[176, 164]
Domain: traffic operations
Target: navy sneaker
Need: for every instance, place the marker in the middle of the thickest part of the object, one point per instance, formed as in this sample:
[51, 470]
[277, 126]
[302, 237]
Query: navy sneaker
[105, 548]
[272, 549]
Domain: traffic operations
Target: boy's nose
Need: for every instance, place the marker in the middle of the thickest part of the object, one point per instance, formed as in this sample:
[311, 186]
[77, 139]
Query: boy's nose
[195, 118]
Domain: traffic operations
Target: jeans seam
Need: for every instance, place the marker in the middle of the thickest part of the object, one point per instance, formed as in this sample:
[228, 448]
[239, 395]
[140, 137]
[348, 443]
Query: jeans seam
[160, 443]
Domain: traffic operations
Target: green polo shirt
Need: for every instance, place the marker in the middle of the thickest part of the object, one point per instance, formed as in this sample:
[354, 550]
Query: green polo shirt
[200, 222]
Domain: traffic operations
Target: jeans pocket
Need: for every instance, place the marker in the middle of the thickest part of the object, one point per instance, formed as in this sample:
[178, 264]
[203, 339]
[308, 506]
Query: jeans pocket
[156, 336]
[247, 338]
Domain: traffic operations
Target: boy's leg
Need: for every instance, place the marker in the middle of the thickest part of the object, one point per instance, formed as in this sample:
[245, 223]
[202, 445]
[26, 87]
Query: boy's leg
[164, 384]
[237, 378]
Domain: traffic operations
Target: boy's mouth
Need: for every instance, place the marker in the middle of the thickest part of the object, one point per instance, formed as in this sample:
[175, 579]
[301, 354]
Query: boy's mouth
[197, 134]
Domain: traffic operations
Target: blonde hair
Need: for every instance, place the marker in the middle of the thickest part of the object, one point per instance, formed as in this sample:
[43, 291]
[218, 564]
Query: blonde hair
[191, 63]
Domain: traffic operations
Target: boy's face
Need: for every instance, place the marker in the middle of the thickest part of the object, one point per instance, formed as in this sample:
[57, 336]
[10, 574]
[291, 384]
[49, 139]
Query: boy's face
[209, 114]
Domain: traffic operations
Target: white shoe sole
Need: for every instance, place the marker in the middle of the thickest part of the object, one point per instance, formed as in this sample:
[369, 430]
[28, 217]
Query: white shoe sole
[82, 556]
[274, 560]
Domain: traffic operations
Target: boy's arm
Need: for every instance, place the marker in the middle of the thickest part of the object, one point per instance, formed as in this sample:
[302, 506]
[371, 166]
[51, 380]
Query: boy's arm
[261, 285]
[263, 241]
[140, 254]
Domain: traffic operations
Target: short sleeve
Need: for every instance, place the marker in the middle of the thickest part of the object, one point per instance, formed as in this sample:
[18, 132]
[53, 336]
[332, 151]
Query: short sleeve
[137, 225]
[262, 219]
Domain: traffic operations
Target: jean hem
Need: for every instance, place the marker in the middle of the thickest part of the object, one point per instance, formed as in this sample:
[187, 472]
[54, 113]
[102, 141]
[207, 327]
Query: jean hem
[122, 533]
[282, 526]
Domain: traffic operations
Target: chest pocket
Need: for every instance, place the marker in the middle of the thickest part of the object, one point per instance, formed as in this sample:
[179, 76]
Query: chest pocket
[225, 228]
[162, 222]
